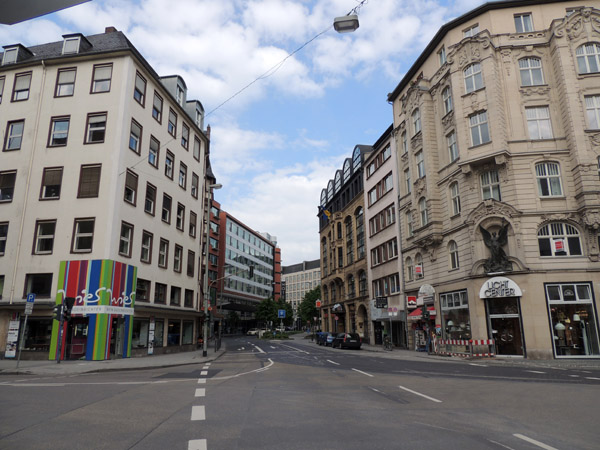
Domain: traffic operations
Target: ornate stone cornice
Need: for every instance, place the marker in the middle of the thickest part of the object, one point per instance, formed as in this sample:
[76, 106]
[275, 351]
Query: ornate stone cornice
[584, 22]
[489, 208]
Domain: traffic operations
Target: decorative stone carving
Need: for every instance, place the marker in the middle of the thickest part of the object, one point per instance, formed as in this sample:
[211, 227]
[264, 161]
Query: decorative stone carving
[535, 90]
[489, 208]
[420, 187]
[417, 141]
[448, 120]
[591, 218]
[498, 260]
[595, 139]
[584, 21]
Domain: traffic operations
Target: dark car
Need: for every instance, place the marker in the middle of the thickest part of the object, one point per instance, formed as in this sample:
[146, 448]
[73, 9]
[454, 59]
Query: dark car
[347, 340]
[320, 337]
[324, 338]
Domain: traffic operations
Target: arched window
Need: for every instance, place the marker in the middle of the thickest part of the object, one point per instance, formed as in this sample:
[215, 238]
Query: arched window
[548, 179]
[409, 223]
[447, 99]
[330, 190]
[559, 239]
[323, 197]
[349, 241]
[362, 283]
[333, 293]
[360, 234]
[338, 181]
[473, 77]
[419, 269]
[347, 170]
[356, 159]
[416, 121]
[325, 295]
[410, 270]
[455, 197]
[351, 287]
[588, 58]
[423, 211]
[453, 251]
[531, 71]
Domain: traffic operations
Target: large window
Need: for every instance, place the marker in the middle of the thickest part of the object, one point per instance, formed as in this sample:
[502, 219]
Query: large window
[7, 185]
[409, 224]
[452, 147]
[480, 133]
[349, 241]
[65, 82]
[39, 284]
[523, 23]
[101, 78]
[455, 198]
[416, 121]
[455, 315]
[473, 77]
[559, 239]
[423, 211]
[83, 236]
[572, 319]
[21, 87]
[407, 180]
[420, 161]
[538, 122]
[95, 128]
[531, 71]
[404, 143]
[453, 252]
[89, 181]
[548, 179]
[490, 185]
[175, 296]
[360, 234]
[51, 183]
[59, 131]
[447, 99]
[588, 58]
[139, 336]
[44, 237]
[410, 269]
[14, 135]
[592, 107]
[191, 263]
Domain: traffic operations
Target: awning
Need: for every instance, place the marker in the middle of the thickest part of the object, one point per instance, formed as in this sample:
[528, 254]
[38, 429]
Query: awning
[417, 314]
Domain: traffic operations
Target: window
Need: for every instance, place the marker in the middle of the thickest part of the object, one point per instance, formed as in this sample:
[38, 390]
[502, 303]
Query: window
[179, 95]
[360, 234]
[455, 197]
[39, 284]
[588, 58]
[538, 122]
[131, 185]
[592, 107]
[59, 131]
[416, 121]
[14, 135]
[548, 179]
[126, 239]
[490, 185]
[21, 87]
[180, 219]
[150, 201]
[404, 143]
[193, 221]
[3, 237]
[471, 31]
[95, 128]
[480, 133]
[160, 296]
[101, 78]
[420, 164]
[10, 55]
[372, 196]
[71, 45]
[453, 251]
[163, 253]
[2, 81]
[142, 291]
[44, 237]
[182, 175]
[559, 239]
[447, 99]
[409, 224]
[174, 327]
[531, 71]
[523, 23]
[157, 107]
[195, 182]
[349, 241]
[172, 126]
[423, 211]
[51, 183]
[135, 137]
[146, 255]
[455, 315]
[65, 82]
[196, 148]
[410, 269]
[419, 270]
[7, 185]
[191, 261]
[153, 152]
[188, 303]
[89, 181]
[169, 163]
[83, 236]
[177, 257]
[473, 77]
[185, 136]
[407, 180]
[442, 55]
[452, 147]
[166, 209]
[139, 91]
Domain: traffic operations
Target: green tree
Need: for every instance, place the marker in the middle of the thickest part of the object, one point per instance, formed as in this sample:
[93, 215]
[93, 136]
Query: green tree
[307, 309]
[266, 311]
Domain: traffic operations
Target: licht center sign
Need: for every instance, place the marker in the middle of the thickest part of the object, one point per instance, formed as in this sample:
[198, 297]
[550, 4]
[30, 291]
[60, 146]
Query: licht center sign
[499, 287]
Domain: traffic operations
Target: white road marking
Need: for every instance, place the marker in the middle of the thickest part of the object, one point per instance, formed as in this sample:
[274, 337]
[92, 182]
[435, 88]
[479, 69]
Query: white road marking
[198, 412]
[295, 349]
[534, 371]
[272, 346]
[376, 390]
[240, 349]
[333, 362]
[364, 373]
[200, 392]
[574, 376]
[501, 445]
[592, 378]
[201, 380]
[95, 384]
[420, 395]
[259, 349]
[262, 369]
[534, 442]
[478, 365]
[205, 367]
[197, 444]
[203, 372]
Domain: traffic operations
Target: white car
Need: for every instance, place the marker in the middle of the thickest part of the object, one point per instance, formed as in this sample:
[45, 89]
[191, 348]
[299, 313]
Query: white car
[252, 332]
[280, 329]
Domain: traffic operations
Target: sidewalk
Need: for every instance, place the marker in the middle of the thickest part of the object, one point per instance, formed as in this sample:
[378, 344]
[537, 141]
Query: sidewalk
[45, 367]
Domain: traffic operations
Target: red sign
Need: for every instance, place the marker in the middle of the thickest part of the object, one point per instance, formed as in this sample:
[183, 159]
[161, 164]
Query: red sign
[411, 301]
[418, 269]
[335, 317]
[559, 245]
[318, 303]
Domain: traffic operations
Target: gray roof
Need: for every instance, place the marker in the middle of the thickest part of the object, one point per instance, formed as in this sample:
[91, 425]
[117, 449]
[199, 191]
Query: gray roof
[301, 267]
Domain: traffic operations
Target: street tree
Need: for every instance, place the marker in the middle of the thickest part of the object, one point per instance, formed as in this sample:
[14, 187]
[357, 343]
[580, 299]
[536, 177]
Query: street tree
[308, 309]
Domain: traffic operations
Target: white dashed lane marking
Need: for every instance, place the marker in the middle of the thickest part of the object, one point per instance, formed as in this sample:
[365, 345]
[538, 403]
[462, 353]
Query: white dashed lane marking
[420, 395]
[204, 373]
[198, 412]
[197, 444]
[200, 392]
[201, 380]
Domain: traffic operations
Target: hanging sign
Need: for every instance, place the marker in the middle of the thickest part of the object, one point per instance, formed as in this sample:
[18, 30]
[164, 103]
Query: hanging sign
[411, 301]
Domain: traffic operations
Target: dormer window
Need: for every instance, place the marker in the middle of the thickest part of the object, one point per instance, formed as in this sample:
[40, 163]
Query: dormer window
[179, 95]
[10, 55]
[71, 45]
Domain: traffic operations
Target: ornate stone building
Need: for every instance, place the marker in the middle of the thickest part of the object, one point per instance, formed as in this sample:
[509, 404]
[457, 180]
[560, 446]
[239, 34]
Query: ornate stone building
[498, 141]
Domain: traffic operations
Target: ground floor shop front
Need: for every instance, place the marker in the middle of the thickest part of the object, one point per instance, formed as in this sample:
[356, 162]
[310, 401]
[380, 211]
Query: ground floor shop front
[536, 316]
[347, 317]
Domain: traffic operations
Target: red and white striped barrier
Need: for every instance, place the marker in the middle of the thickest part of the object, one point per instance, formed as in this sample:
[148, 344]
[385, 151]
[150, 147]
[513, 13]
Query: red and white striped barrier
[468, 344]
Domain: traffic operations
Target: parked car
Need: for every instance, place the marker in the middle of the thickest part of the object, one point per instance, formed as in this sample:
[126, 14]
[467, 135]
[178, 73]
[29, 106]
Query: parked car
[280, 329]
[329, 339]
[319, 337]
[347, 340]
[252, 332]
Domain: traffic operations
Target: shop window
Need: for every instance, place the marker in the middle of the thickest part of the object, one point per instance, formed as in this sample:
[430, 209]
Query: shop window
[37, 335]
[572, 319]
[139, 336]
[159, 332]
[174, 333]
[455, 315]
[188, 332]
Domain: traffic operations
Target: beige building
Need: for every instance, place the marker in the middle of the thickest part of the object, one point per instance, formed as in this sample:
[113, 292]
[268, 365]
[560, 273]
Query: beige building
[498, 141]
[297, 280]
[344, 286]
[102, 159]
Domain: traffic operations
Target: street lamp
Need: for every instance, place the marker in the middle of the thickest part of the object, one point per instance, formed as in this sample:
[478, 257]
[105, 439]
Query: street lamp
[346, 24]
[206, 285]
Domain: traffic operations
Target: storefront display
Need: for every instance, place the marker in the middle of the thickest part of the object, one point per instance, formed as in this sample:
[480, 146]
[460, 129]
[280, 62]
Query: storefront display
[456, 323]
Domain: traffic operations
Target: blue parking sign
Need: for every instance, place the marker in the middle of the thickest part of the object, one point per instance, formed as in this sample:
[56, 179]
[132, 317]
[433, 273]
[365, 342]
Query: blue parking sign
[281, 313]
[30, 298]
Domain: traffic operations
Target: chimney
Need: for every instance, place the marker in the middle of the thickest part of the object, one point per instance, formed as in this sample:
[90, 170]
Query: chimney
[110, 30]
[208, 131]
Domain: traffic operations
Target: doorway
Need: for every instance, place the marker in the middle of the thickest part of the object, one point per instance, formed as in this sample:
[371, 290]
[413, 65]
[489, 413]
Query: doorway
[116, 338]
[504, 325]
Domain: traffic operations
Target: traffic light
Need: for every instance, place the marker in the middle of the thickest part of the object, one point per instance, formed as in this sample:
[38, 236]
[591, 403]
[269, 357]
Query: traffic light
[57, 312]
[68, 305]
[426, 314]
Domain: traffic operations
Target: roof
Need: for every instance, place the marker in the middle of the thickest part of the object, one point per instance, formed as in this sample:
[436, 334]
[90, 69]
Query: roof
[300, 267]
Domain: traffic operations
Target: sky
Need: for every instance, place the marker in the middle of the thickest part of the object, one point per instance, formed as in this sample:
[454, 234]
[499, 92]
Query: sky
[288, 122]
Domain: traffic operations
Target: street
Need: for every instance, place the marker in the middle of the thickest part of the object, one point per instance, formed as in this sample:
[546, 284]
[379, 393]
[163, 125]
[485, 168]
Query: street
[297, 395]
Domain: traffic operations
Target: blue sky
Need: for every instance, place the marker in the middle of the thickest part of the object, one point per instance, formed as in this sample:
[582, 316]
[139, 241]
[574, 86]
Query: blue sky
[275, 145]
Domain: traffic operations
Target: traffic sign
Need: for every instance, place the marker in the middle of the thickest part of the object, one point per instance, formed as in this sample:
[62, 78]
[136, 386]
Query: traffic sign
[281, 313]
[29, 304]
[318, 303]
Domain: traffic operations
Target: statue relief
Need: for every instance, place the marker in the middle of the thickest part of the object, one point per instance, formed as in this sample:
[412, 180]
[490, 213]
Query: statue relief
[498, 260]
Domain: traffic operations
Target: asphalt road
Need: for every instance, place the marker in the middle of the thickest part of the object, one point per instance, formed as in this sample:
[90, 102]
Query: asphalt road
[297, 395]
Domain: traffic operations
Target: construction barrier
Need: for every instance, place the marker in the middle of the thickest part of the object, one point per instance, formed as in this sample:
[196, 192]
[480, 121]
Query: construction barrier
[463, 347]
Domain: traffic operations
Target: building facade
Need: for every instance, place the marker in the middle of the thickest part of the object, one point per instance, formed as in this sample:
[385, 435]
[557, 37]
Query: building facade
[344, 287]
[102, 160]
[498, 126]
[297, 280]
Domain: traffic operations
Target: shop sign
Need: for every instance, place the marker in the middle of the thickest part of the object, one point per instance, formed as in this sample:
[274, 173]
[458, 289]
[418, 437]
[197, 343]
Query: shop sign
[499, 287]
[151, 336]
[12, 338]
[381, 302]
[411, 301]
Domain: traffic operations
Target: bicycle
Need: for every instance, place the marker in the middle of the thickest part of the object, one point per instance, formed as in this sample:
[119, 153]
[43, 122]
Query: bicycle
[387, 343]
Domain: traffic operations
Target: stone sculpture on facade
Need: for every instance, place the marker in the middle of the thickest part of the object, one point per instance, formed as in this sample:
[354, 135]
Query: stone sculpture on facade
[498, 261]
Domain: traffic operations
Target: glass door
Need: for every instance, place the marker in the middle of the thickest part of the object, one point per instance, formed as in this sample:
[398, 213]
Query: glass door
[504, 326]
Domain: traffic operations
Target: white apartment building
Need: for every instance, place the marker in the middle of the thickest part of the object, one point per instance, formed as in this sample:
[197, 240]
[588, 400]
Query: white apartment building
[102, 160]
[298, 279]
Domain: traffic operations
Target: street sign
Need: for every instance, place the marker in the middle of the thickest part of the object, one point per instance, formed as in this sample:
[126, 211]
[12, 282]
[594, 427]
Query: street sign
[318, 303]
[281, 313]
[29, 304]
